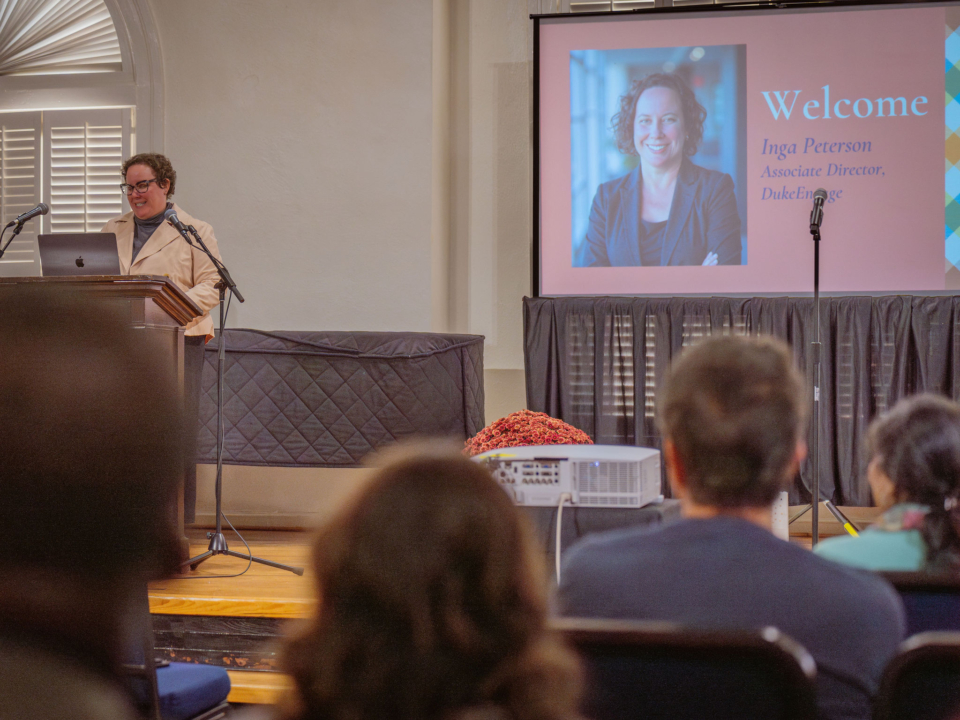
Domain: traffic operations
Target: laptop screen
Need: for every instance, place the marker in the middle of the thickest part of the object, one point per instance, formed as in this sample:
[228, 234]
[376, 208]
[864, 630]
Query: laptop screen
[78, 254]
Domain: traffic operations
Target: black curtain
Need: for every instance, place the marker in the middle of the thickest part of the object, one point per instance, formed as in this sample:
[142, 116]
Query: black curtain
[596, 363]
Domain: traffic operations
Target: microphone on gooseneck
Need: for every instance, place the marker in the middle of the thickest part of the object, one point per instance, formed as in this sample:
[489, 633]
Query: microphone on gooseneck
[41, 209]
[816, 215]
[170, 216]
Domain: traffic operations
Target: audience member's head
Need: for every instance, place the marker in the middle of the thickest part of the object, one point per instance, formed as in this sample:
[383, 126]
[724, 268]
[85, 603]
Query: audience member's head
[432, 605]
[732, 414]
[90, 441]
[914, 455]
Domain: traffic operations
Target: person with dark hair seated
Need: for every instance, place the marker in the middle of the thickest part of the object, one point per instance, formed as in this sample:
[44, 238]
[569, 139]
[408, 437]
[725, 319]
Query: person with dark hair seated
[90, 466]
[668, 210]
[914, 473]
[432, 606]
[732, 415]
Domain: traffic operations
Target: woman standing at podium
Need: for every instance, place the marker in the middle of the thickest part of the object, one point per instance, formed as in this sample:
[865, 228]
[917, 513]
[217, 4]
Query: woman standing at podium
[149, 245]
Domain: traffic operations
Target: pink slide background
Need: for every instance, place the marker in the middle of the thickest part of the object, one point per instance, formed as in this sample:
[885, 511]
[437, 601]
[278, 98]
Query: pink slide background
[884, 234]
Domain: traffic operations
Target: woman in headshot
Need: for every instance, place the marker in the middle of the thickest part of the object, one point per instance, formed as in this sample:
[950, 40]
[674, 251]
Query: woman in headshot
[149, 245]
[667, 211]
[914, 473]
[432, 606]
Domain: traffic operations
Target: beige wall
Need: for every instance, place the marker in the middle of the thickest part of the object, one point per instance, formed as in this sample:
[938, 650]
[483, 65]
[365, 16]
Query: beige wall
[302, 131]
[492, 158]
[365, 167]
[491, 204]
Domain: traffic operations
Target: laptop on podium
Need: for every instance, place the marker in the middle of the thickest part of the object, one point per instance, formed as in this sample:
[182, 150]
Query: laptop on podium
[78, 254]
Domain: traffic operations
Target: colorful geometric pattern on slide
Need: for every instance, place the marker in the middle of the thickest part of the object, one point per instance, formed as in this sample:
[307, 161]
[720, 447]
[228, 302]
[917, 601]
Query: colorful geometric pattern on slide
[952, 149]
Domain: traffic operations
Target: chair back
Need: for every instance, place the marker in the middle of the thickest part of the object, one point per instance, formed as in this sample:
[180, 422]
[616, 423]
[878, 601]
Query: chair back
[922, 682]
[139, 663]
[931, 602]
[171, 691]
[661, 670]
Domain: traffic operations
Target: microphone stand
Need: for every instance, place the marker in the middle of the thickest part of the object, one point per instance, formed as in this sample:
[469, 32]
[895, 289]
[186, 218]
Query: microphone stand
[816, 217]
[218, 542]
[16, 231]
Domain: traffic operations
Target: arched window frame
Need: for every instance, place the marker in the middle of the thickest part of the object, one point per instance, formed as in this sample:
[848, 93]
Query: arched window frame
[139, 84]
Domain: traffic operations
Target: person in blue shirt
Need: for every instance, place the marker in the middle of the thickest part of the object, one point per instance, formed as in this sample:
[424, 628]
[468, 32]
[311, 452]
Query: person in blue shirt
[731, 412]
[914, 473]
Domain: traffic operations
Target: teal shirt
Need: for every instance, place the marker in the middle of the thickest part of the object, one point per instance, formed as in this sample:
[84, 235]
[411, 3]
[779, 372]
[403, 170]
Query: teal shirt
[877, 549]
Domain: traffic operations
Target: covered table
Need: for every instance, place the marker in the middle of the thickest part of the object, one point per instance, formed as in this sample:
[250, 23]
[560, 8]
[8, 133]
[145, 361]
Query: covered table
[326, 399]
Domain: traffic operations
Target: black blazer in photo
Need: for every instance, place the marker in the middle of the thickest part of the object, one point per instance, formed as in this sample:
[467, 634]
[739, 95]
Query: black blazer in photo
[703, 218]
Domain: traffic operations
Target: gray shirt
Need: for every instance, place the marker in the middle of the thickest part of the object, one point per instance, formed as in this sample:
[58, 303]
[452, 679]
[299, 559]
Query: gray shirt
[143, 229]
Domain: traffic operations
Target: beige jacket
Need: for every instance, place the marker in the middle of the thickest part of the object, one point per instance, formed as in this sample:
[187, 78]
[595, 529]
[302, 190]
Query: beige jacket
[167, 254]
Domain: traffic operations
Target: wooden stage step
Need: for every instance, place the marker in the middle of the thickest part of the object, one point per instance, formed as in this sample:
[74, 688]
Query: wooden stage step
[236, 621]
[256, 688]
[261, 591]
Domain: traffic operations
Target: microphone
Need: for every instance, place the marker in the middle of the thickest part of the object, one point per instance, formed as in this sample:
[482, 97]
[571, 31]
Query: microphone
[41, 209]
[816, 215]
[171, 217]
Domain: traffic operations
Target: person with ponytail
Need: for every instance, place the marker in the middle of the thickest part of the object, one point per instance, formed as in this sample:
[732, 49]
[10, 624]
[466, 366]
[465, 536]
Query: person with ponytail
[914, 473]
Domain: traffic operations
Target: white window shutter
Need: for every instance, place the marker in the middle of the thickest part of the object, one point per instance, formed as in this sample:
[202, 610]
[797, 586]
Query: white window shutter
[85, 149]
[20, 171]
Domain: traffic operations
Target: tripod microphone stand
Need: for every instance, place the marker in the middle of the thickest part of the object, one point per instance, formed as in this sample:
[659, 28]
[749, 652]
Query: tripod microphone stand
[816, 218]
[218, 542]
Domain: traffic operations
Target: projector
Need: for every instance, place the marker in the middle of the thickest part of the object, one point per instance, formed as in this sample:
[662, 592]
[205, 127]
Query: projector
[589, 475]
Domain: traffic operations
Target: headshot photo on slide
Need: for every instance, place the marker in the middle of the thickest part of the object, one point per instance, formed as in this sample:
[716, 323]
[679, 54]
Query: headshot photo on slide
[658, 156]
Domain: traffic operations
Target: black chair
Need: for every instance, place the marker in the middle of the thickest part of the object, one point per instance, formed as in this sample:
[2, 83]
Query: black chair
[931, 602]
[922, 682]
[659, 670]
[175, 690]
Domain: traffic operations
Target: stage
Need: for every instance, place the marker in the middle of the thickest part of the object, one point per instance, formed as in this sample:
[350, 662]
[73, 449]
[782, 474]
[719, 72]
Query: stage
[236, 622]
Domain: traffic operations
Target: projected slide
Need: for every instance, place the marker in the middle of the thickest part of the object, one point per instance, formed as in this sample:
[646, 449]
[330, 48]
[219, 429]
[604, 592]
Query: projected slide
[679, 154]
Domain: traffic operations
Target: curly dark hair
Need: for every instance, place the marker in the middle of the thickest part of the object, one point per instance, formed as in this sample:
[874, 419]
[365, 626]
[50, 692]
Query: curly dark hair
[432, 606]
[158, 163]
[693, 112]
[917, 445]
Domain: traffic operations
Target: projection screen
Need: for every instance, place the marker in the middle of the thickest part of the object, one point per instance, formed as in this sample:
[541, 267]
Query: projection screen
[858, 100]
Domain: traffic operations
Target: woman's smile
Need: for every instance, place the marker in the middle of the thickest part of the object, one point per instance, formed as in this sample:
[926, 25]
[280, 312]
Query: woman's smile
[658, 131]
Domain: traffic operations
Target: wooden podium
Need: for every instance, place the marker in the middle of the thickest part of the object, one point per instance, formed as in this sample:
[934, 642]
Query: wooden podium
[154, 304]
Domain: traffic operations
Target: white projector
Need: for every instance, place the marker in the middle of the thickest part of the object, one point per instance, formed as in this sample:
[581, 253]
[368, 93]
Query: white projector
[589, 475]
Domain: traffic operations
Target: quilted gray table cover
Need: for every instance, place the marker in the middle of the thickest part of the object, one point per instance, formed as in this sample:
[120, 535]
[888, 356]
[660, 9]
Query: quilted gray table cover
[326, 399]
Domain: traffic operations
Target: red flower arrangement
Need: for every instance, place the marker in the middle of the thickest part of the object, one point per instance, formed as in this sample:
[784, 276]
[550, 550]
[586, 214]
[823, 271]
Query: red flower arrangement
[525, 428]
